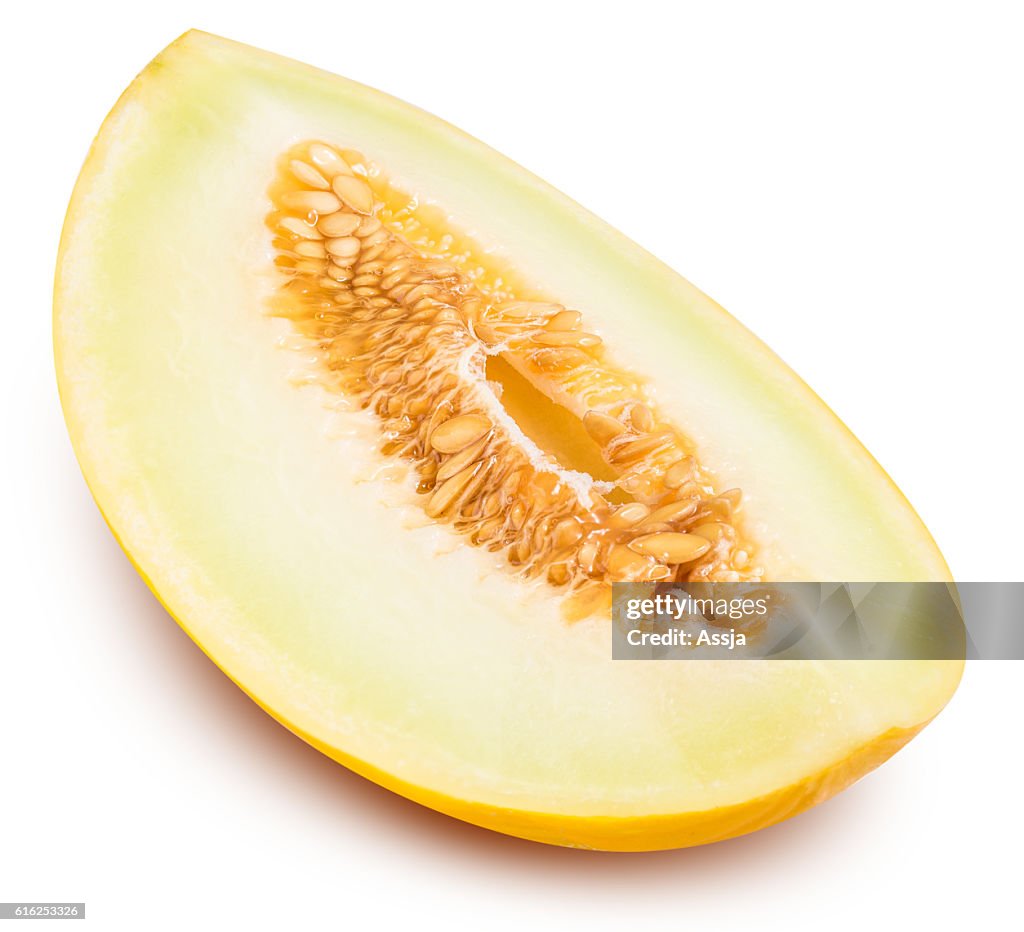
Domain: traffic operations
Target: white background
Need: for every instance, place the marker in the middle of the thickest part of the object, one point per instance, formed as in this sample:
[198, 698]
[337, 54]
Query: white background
[846, 180]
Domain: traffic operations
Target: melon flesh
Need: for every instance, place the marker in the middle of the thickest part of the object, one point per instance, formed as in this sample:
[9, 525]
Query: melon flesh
[258, 506]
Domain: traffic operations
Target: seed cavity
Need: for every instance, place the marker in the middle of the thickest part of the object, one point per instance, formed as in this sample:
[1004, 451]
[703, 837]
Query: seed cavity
[406, 312]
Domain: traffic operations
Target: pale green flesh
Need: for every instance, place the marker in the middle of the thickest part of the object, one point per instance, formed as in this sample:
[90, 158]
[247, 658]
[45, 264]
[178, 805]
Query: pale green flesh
[246, 502]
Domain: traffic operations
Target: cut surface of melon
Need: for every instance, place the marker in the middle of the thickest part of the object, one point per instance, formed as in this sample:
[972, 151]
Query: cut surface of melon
[239, 389]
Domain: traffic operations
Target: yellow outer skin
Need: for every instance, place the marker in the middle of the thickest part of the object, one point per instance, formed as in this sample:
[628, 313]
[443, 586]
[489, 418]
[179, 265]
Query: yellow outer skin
[641, 833]
[650, 833]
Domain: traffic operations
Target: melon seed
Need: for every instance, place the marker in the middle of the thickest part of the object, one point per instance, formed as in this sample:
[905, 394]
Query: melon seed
[565, 320]
[319, 202]
[459, 432]
[338, 224]
[565, 338]
[308, 175]
[462, 459]
[602, 427]
[343, 247]
[354, 192]
[670, 547]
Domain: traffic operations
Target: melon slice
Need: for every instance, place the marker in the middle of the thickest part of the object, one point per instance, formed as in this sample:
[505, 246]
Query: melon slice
[379, 416]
